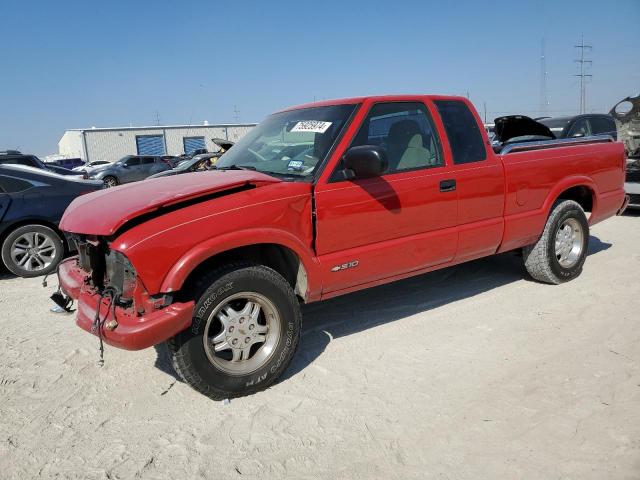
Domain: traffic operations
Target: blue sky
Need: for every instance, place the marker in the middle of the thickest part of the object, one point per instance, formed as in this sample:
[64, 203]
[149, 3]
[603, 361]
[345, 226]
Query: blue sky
[81, 64]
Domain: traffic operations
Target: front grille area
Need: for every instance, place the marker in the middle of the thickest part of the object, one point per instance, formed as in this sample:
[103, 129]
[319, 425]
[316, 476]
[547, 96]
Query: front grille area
[91, 259]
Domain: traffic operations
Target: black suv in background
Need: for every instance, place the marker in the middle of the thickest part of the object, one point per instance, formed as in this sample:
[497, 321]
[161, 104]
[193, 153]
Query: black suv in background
[32, 201]
[581, 125]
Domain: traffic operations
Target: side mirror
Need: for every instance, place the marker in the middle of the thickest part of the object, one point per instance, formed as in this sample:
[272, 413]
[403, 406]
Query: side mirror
[577, 135]
[364, 161]
[124, 165]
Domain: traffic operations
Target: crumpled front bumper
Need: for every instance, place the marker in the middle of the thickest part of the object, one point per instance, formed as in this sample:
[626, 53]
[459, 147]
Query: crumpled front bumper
[133, 331]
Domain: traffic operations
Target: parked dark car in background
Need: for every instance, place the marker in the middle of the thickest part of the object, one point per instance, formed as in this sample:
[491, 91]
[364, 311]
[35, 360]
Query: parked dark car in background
[198, 163]
[581, 125]
[14, 157]
[131, 168]
[32, 202]
[68, 163]
[202, 162]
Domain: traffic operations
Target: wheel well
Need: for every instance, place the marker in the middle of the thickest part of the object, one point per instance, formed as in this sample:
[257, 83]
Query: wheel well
[33, 221]
[280, 258]
[581, 195]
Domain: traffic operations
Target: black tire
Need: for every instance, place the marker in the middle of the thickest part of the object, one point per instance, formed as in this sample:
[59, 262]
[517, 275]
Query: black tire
[541, 260]
[50, 252]
[187, 349]
[110, 181]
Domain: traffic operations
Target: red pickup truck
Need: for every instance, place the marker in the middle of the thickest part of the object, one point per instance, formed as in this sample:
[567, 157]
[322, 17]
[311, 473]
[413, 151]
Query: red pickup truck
[317, 201]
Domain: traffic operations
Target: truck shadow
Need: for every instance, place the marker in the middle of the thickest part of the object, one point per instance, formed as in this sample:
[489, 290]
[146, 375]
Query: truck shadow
[355, 312]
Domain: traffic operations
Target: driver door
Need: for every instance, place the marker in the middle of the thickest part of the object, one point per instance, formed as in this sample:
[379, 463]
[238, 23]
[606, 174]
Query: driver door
[404, 220]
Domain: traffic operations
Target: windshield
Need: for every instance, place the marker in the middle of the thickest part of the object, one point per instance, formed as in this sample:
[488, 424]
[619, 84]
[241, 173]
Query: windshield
[556, 125]
[292, 143]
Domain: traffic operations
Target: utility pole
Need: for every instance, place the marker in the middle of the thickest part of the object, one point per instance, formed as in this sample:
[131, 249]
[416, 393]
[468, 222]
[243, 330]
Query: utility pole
[544, 102]
[484, 104]
[583, 76]
[236, 113]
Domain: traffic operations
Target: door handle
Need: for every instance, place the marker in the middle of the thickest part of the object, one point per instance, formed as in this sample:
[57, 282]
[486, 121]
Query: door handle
[447, 185]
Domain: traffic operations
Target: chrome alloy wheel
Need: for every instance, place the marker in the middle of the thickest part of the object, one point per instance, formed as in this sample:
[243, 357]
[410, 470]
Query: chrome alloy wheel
[242, 333]
[569, 242]
[33, 251]
[110, 182]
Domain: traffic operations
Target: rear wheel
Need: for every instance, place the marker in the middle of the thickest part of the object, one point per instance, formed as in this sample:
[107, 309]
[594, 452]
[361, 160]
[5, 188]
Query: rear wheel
[32, 250]
[110, 181]
[244, 333]
[559, 255]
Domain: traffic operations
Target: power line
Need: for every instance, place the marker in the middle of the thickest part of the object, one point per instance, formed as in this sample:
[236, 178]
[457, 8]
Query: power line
[583, 76]
[544, 102]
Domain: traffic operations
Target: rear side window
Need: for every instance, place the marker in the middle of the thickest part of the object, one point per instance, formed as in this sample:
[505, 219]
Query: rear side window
[147, 160]
[462, 130]
[13, 185]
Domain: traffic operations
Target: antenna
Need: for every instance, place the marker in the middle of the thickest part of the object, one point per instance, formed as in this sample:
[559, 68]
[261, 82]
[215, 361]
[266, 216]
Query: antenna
[236, 113]
[544, 102]
[583, 76]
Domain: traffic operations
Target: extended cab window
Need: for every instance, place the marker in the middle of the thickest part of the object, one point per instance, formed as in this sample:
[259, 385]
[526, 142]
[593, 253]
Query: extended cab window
[462, 130]
[407, 133]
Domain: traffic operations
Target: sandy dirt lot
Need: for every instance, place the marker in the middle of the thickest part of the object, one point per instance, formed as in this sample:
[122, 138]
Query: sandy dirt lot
[469, 373]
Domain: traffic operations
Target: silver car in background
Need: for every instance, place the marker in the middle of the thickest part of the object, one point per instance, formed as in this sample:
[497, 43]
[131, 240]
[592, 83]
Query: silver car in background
[131, 168]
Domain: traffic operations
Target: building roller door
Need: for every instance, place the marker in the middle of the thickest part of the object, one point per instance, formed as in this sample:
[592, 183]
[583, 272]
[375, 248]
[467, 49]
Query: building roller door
[150, 144]
[193, 143]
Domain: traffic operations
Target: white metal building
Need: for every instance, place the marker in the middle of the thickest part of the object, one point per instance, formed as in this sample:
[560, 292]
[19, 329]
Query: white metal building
[112, 144]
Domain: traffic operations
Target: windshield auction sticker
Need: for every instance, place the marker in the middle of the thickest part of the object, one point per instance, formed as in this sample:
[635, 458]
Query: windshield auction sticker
[314, 126]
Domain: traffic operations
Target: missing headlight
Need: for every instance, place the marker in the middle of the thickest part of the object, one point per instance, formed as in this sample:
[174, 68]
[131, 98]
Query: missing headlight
[120, 275]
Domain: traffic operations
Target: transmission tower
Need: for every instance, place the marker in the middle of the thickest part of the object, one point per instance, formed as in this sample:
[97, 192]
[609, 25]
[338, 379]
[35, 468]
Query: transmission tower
[236, 113]
[544, 102]
[583, 76]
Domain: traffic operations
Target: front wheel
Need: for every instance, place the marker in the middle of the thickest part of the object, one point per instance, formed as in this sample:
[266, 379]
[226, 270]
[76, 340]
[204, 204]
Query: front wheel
[244, 333]
[560, 253]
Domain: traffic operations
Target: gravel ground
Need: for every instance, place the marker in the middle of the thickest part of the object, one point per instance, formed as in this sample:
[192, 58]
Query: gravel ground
[468, 373]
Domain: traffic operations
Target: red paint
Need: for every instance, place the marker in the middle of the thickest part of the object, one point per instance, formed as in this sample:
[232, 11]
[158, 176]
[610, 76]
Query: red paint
[394, 226]
[134, 332]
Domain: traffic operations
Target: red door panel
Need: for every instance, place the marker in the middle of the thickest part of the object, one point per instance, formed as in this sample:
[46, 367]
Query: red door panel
[389, 226]
[480, 207]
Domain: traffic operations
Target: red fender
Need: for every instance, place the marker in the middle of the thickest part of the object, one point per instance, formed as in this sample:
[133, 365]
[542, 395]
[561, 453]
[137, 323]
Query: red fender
[176, 277]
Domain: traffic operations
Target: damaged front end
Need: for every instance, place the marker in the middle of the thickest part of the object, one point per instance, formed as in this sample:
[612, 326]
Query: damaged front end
[112, 301]
[626, 114]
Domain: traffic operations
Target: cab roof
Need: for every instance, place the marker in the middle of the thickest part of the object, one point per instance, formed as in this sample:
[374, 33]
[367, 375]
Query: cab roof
[373, 98]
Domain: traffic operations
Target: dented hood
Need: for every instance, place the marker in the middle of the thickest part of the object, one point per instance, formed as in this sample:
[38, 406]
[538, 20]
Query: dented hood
[105, 211]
